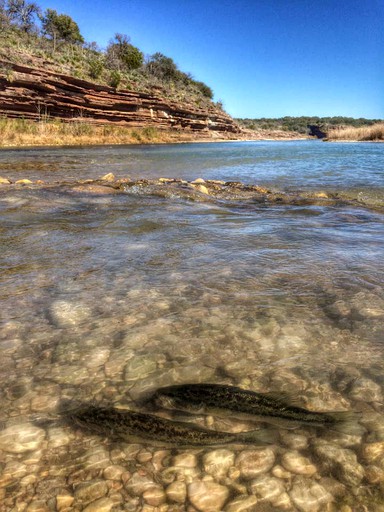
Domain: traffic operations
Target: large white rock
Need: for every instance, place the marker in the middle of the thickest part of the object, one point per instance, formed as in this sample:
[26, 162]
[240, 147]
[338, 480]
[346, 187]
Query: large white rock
[21, 438]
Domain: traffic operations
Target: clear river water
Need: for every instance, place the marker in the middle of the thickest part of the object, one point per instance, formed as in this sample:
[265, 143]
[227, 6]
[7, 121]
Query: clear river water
[105, 298]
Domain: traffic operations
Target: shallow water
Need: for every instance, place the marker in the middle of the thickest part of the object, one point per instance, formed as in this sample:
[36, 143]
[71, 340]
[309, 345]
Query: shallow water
[107, 297]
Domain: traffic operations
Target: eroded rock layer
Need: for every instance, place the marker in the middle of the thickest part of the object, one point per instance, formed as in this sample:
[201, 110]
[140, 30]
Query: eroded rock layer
[35, 94]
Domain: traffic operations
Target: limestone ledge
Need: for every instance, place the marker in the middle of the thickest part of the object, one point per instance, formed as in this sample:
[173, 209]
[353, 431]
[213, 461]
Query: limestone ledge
[35, 94]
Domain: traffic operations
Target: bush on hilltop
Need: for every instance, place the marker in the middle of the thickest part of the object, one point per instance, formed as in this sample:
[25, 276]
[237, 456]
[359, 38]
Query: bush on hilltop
[60, 27]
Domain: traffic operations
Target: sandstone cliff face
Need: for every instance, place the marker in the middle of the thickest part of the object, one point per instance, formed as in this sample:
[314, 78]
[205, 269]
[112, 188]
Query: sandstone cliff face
[34, 93]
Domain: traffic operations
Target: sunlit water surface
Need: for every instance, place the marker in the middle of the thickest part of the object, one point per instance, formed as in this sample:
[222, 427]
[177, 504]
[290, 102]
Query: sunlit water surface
[106, 298]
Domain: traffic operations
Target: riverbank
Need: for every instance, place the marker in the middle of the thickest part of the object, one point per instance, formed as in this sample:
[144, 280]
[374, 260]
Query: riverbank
[22, 132]
[374, 133]
[55, 132]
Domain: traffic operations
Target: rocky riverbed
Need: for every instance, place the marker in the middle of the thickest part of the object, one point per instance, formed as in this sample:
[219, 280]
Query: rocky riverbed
[198, 190]
[115, 287]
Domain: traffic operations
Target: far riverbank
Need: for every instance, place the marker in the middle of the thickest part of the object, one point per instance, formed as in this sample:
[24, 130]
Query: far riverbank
[54, 132]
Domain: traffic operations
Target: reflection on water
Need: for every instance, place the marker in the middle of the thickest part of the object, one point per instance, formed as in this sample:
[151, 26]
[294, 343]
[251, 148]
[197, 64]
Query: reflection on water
[107, 298]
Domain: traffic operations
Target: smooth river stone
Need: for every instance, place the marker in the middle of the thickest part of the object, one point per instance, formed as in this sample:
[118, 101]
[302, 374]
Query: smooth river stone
[341, 461]
[366, 390]
[138, 484]
[140, 367]
[207, 496]
[100, 505]
[267, 488]
[64, 501]
[242, 504]
[253, 463]
[58, 436]
[374, 474]
[373, 451]
[90, 491]
[368, 305]
[154, 496]
[21, 438]
[108, 177]
[294, 440]
[218, 462]
[177, 491]
[68, 314]
[296, 463]
[308, 496]
[185, 460]
[38, 506]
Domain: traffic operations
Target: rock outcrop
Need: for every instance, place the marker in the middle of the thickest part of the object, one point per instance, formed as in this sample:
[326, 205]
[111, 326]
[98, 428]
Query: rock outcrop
[37, 94]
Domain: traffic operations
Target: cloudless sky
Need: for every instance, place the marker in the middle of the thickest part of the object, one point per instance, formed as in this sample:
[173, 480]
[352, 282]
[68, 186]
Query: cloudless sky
[262, 58]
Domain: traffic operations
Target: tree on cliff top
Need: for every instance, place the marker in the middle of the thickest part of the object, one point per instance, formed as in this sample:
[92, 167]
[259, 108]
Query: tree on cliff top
[4, 20]
[22, 13]
[122, 55]
[162, 67]
[60, 27]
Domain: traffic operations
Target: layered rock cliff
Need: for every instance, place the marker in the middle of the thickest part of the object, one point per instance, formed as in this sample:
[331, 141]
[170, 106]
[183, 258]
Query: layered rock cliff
[36, 94]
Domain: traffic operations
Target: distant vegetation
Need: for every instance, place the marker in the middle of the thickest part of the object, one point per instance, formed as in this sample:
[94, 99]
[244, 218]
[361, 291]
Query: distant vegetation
[34, 37]
[374, 132]
[300, 124]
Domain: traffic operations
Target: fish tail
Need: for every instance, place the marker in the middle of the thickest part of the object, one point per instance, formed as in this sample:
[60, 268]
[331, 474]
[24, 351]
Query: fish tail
[345, 422]
[260, 437]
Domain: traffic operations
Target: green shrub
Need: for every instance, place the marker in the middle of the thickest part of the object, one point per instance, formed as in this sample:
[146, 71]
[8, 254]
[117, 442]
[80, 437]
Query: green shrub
[204, 89]
[114, 78]
[96, 66]
[122, 55]
[150, 132]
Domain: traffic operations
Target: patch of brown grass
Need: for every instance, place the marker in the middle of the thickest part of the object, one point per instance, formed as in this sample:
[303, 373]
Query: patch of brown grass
[363, 133]
[22, 132]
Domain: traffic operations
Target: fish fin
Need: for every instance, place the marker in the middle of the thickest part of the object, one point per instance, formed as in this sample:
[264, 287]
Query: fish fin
[284, 398]
[260, 437]
[346, 422]
[283, 423]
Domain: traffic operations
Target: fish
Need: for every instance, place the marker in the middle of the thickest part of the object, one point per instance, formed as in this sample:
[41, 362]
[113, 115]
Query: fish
[136, 427]
[224, 400]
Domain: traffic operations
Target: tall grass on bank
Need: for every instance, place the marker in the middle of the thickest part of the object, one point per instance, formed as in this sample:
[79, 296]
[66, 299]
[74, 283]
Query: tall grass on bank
[55, 132]
[363, 133]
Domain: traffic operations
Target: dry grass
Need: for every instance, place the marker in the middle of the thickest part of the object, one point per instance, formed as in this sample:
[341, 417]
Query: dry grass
[22, 132]
[364, 133]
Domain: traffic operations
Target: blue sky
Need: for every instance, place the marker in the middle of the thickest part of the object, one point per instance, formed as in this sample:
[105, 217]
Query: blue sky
[262, 58]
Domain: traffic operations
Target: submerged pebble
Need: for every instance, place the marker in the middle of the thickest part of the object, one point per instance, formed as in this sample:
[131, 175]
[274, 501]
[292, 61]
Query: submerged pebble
[177, 492]
[366, 390]
[100, 505]
[207, 496]
[69, 314]
[342, 462]
[218, 462]
[296, 463]
[242, 504]
[253, 463]
[90, 491]
[21, 438]
[267, 488]
[308, 496]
